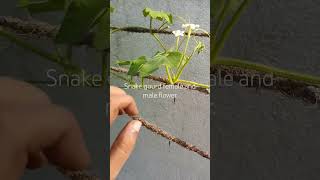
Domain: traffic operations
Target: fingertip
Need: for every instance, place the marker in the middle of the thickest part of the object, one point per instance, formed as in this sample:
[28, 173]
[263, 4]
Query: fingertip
[135, 126]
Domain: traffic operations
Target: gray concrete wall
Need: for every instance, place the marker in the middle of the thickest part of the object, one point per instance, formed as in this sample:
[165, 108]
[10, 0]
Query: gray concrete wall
[261, 134]
[187, 117]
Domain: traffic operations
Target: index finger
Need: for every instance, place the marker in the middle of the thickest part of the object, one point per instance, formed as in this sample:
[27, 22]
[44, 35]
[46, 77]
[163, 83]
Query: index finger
[123, 103]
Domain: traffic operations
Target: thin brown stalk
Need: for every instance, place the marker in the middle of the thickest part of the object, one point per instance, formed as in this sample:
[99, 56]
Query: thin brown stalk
[172, 138]
[37, 29]
[147, 30]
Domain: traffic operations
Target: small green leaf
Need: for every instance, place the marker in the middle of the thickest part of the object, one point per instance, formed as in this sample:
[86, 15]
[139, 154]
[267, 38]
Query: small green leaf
[43, 6]
[123, 62]
[200, 47]
[79, 19]
[111, 9]
[159, 15]
[136, 66]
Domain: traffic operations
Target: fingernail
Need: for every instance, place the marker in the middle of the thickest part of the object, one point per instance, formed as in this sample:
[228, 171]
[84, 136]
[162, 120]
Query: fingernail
[136, 126]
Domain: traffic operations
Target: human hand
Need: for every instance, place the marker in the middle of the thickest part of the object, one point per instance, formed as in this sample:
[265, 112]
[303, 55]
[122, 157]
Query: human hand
[122, 147]
[33, 132]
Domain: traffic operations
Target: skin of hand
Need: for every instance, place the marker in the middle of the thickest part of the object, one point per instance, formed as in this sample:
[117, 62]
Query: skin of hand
[34, 132]
[121, 103]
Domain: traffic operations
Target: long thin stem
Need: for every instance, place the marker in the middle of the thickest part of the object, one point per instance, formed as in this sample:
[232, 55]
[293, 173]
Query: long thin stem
[181, 42]
[183, 56]
[268, 69]
[193, 83]
[150, 25]
[155, 36]
[182, 68]
[164, 23]
[220, 43]
[169, 75]
[159, 41]
[177, 43]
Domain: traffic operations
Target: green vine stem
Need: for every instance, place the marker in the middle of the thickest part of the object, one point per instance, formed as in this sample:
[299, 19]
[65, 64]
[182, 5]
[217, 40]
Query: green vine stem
[159, 41]
[221, 17]
[169, 75]
[226, 32]
[268, 69]
[193, 83]
[183, 56]
[52, 57]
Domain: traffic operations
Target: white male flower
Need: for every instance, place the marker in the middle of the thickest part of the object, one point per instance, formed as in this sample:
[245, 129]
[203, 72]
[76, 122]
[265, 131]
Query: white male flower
[178, 33]
[192, 26]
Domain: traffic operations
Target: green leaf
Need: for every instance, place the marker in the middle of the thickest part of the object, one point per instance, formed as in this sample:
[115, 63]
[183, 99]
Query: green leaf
[123, 62]
[79, 19]
[136, 65]
[102, 34]
[173, 59]
[43, 6]
[149, 68]
[159, 15]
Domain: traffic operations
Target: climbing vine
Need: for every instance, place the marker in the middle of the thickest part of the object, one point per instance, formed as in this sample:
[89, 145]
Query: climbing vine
[173, 58]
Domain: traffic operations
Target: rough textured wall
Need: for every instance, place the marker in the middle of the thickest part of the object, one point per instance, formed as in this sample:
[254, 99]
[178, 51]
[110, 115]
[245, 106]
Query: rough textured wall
[187, 117]
[262, 134]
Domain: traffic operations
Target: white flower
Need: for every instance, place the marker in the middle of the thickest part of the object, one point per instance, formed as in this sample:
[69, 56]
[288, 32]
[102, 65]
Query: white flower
[178, 33]
[192, 26]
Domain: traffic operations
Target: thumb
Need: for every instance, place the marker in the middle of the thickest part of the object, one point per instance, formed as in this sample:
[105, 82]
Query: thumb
[123, 146]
